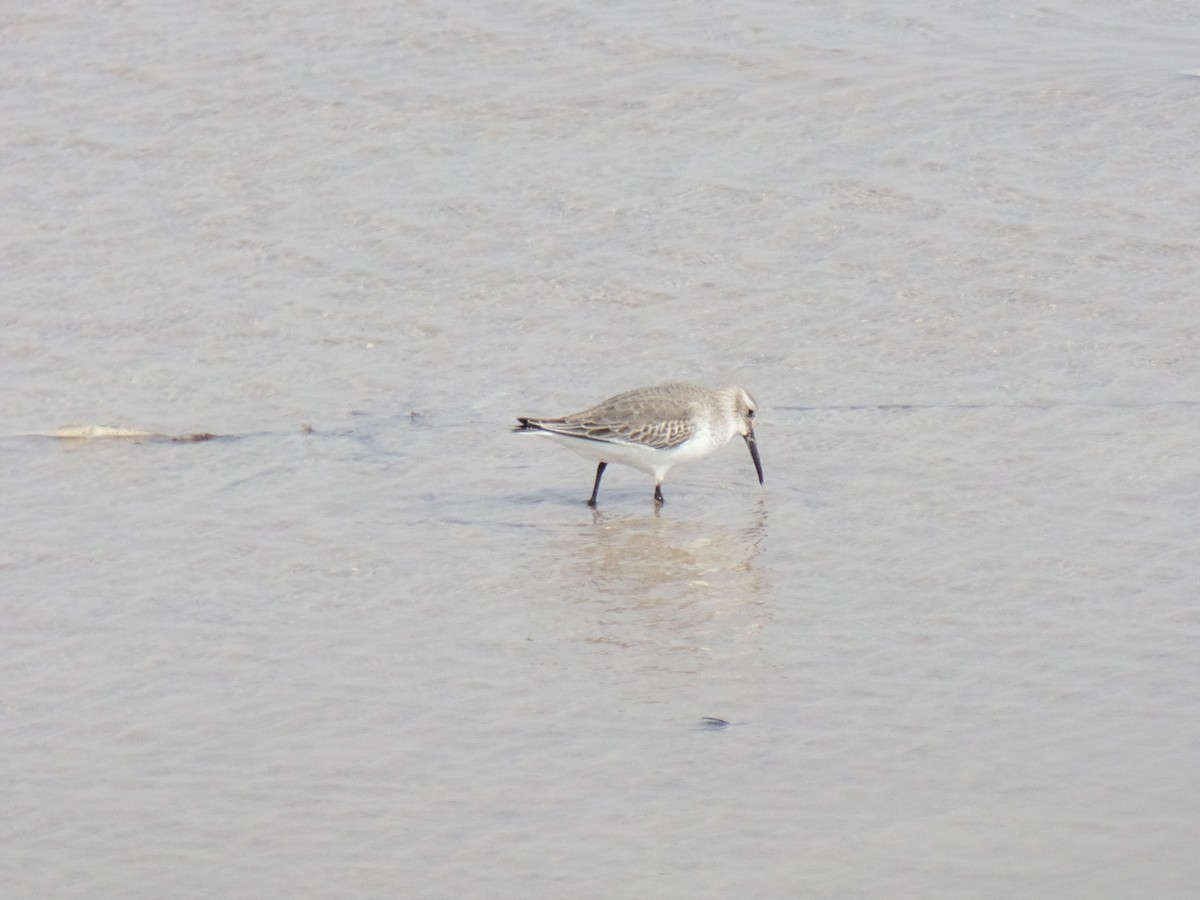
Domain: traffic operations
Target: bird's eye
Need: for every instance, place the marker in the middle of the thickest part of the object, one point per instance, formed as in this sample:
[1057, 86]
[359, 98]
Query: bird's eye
[749, 414]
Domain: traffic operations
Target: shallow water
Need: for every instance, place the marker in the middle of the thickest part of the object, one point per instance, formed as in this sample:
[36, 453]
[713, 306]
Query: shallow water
[369, 643]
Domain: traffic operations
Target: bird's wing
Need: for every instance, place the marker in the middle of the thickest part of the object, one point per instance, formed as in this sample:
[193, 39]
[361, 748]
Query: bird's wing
[656, 435]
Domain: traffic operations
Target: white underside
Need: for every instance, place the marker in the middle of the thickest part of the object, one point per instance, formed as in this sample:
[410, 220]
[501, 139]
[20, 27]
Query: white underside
[648, 459]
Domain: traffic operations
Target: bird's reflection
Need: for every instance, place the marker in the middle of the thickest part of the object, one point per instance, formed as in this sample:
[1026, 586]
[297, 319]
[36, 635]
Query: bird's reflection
[687, 586]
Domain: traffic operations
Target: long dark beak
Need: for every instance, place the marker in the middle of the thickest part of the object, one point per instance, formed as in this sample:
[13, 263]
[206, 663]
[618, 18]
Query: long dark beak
[753, 445]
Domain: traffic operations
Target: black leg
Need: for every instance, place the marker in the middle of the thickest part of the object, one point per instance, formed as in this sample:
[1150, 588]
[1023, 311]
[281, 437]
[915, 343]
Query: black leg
[658, 497]
[596, 487]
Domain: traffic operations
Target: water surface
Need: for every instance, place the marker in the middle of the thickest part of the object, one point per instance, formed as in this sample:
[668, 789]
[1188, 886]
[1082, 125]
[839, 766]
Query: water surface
[369, 643]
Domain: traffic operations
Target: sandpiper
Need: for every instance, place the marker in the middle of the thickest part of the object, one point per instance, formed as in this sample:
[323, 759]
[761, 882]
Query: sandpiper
[654, 428]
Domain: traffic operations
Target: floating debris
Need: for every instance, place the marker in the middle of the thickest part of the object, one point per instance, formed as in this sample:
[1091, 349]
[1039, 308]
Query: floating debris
[93, 432]
[113, 432]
